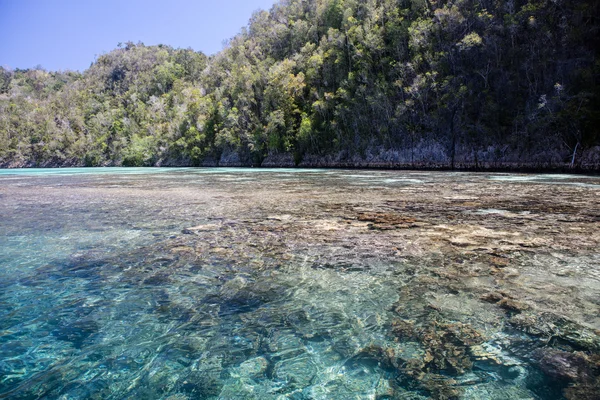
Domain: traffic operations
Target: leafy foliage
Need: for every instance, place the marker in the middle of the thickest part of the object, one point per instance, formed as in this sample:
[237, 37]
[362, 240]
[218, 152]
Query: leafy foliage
[455, 83]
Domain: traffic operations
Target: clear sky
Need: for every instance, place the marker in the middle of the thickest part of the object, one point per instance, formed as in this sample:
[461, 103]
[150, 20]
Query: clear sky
[69, 34]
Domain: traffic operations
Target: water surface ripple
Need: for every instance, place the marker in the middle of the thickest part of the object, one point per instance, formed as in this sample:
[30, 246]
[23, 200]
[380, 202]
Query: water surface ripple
[298, 284]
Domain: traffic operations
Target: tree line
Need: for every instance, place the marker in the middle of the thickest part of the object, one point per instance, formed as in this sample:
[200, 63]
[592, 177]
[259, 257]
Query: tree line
[462, 83]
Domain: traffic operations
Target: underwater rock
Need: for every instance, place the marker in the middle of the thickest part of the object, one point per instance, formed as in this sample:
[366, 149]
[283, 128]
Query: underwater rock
[583, 391]
[383, 357]
[242, 389]
[403, 329]
[446, 350]
[203, 381]
[580, 370]
[461, 241]
[492, 297]
[253, 367]
[159, 279]
[560, 364]
[386, 221]
[357, 383]
[498, 391]
[441, 387]
[488, 352]
[283, 345]
[298, 371]
[203, 388]
[551, 326]
[183, 250]
[530, 324]
[77, 332]
[346, 346]
[505, 301]
[177, 396]
[512, 305]
[241, 293]
[507, 272]
[499, 262]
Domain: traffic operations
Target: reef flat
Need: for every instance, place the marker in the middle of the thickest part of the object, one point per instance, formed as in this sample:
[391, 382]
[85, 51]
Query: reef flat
[298, 284]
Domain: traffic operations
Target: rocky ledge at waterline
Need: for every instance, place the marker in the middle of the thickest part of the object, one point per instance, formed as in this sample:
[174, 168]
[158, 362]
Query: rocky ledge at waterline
[426, 157]
[435, 157]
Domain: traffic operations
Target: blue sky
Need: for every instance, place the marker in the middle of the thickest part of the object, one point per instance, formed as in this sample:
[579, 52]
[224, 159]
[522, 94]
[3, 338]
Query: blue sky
[69, 34]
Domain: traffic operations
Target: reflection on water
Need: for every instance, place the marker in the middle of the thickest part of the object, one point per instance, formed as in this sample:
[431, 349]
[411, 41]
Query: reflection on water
[297, 284]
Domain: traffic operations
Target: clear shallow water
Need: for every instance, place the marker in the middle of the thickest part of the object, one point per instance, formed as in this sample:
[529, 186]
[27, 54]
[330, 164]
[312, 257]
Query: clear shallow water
[289, 284]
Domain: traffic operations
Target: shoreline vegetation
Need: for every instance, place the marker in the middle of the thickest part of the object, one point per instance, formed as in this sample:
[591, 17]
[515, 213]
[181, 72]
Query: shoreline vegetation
[467, 85]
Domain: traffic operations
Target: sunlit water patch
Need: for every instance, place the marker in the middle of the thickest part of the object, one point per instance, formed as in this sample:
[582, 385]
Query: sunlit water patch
[296, 284]
[550, 179]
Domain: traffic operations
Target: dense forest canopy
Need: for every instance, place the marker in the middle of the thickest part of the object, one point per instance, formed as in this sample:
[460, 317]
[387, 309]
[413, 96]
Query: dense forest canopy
[464, 83]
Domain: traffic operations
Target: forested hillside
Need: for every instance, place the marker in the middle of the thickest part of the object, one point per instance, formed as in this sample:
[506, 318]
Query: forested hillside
[406, 83]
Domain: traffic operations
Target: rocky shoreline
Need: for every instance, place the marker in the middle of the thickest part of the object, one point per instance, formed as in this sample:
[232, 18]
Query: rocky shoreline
[587, 161]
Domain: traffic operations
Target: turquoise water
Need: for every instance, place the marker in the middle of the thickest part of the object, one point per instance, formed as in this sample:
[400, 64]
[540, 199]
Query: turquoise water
[262, 284]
